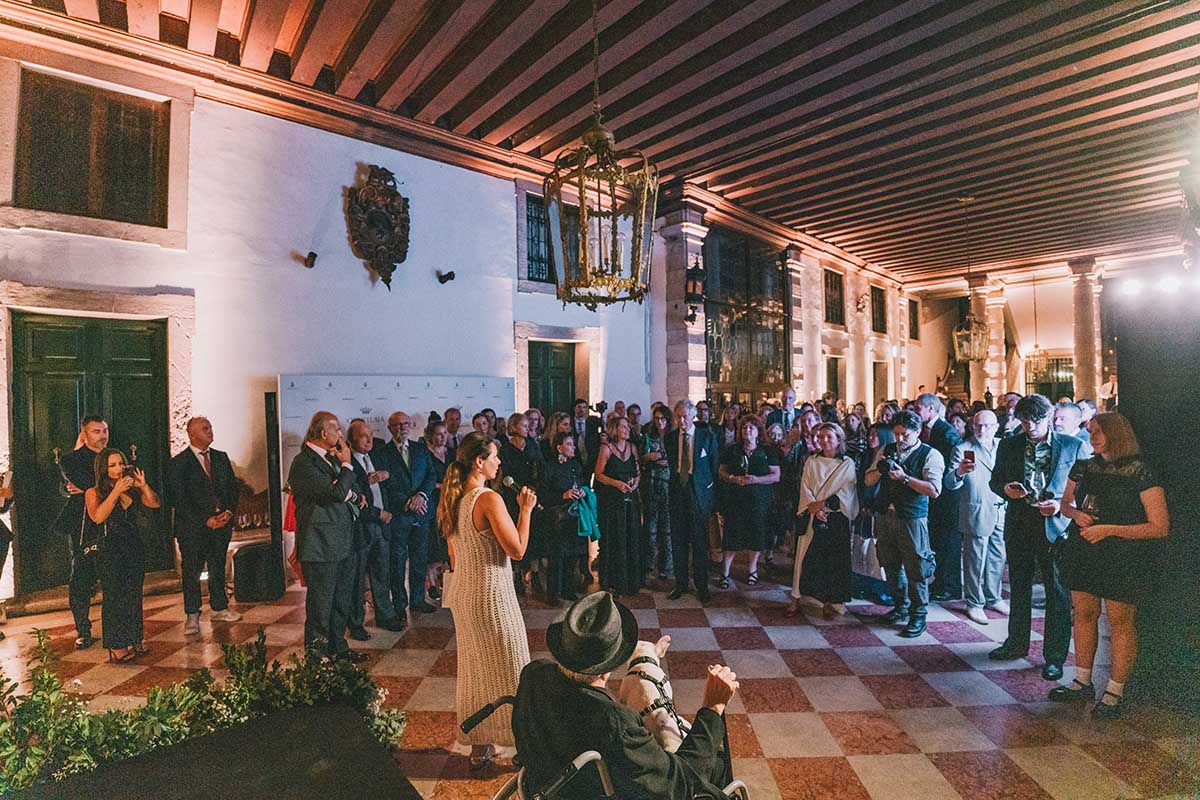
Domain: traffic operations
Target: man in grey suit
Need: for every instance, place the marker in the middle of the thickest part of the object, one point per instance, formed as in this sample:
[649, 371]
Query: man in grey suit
[322, 482]
[980, 517]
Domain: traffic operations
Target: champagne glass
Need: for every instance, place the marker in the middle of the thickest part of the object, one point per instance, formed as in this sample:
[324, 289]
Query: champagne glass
[242, 522]
[1090, 506]
[258, 520]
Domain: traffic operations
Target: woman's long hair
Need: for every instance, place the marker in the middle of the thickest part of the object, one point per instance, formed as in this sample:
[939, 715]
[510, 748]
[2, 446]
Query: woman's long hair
[475, 445]
[104, 484]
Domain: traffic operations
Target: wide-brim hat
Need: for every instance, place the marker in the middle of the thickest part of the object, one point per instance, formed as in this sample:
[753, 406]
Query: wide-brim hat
[596, 635]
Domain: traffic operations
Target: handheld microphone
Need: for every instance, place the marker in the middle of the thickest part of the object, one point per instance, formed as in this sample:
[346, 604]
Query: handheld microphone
[510, 483]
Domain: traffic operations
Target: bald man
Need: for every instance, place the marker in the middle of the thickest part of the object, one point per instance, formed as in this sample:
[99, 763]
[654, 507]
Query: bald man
[980, 515]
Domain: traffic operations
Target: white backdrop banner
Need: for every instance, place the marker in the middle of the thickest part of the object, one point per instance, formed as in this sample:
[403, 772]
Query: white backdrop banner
[374, 397]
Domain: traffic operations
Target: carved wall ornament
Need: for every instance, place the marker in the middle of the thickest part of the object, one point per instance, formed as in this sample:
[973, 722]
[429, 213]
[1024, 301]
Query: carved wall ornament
[378, 222]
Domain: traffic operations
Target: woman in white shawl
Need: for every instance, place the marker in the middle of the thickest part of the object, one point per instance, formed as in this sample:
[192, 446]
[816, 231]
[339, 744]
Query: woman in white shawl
[828, 501]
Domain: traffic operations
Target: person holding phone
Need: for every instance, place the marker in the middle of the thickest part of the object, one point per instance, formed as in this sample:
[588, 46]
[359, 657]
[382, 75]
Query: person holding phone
[323, 480]
[117, 509]
[980, 517]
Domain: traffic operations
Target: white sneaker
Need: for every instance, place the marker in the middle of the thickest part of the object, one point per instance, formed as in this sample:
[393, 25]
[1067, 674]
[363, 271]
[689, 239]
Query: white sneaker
[192, 626]
[976, 615]
[226, 615]
[1000, 607]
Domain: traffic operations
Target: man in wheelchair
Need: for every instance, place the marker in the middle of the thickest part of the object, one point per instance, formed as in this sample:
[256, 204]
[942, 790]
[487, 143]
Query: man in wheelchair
[563, 709]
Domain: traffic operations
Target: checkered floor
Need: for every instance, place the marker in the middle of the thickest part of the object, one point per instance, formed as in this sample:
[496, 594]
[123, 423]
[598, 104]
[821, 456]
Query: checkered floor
[828, 709]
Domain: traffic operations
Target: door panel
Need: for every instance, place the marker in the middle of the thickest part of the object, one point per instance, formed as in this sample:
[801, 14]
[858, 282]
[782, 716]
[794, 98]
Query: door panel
[66, 368]
[551, 376]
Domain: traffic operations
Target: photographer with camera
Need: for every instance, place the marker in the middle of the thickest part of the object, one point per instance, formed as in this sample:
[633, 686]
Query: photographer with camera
[909, 474]
[117, 510]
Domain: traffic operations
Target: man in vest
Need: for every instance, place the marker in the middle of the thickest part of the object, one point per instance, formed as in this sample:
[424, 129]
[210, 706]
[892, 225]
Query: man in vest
[911, 475]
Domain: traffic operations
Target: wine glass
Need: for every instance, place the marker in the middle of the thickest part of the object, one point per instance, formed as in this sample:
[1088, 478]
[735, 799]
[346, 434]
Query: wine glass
[1090, 506]
[258, 520]
[243, 521]
[1037, 483]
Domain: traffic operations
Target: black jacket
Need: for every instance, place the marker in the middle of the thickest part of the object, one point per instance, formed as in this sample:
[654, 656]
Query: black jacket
[555, 719]
[196, 496]
[705, 463]
[324, 500]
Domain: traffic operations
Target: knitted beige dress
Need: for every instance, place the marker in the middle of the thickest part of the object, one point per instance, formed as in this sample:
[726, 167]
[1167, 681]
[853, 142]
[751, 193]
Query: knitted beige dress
[492, 648]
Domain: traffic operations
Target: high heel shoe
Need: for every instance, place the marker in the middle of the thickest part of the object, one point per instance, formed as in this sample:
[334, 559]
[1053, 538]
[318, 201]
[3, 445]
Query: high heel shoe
[122, 656]
[793, 608]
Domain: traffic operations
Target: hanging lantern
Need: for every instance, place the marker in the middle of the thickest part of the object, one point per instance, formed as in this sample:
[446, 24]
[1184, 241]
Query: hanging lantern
[970, 337]
[693, 292]
[1037, 361]
[601, 235]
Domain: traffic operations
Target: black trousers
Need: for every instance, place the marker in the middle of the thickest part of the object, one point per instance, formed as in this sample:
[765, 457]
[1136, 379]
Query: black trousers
[1028, 549]
[379, 568]
[327, 604]
[946, 540]
[197, 549]
[362, 561]
[689, 539]
[82, 585]
[408, 554]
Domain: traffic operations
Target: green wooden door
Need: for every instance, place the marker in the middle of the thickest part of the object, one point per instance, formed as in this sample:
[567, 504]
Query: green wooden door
[66, 368]
[551, 376]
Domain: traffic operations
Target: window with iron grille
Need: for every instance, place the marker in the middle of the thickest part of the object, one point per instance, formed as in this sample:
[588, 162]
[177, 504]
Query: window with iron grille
[91, 152]
[914, 320]
[835, 297]
[540, 256]
[878, 310]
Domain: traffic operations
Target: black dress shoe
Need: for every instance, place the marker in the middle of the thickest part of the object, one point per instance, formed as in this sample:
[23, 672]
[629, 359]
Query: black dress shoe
[1072, 692]
[394, 625]
[915, 627]
[894, 616]
[1007, 652]
[1052, 672]
[1103, 711]
[84, 642]
[359, 634]
[353, 656]
[703, 595]
[434, 592]
[424, 608]
[676, 593]
[943, 597]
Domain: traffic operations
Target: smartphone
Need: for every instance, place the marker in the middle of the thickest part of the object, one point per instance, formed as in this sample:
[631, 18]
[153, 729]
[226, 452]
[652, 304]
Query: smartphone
[130, 471]
[969, 456]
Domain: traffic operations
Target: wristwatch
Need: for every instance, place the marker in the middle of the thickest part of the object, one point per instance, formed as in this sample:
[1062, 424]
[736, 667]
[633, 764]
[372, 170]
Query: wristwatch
[904, 480]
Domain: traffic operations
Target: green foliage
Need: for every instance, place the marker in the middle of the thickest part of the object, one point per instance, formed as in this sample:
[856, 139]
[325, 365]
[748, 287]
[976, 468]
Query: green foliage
[48, 733]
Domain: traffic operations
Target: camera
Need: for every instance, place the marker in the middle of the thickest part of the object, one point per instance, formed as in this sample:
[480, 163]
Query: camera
[888, 464]
[601, 407]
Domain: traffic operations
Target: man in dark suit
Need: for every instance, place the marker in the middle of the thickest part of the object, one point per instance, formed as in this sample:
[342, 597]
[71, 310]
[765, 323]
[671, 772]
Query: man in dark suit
[410, 484]
[322, 482]
[79, 471]
[205, 495]
[564, 709]
[786, 415]
[1034, 530]
[587, 437]
[944, 534]
[370, 548]
[692, 452]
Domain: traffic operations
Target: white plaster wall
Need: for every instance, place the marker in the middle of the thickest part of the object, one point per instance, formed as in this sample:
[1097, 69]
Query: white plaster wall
[1055, 314]
[927, 358]
[262, 193]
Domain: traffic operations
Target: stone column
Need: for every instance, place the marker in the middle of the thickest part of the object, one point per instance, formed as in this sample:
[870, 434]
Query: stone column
[794, 265]
[1086, 327]
[813, 319]
[987, 304]
[687, 355]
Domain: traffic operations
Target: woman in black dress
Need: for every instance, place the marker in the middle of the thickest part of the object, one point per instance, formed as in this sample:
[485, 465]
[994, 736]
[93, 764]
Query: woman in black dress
[117, 510]
[521, 457]
[1118, 512]
[619, 511]
[561, 486]
[656, 507]
[829, 500]
[434, 440]
[749, 470]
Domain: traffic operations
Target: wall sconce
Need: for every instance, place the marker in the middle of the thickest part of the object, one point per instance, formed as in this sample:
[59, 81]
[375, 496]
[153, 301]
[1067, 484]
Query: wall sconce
[444, 277]
[693, 292]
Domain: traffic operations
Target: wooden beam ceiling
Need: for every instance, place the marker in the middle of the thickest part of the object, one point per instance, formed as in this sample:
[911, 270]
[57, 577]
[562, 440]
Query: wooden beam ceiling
[854, 121]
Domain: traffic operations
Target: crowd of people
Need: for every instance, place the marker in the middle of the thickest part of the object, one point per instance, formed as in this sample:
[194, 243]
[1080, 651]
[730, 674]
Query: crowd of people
[923, 500]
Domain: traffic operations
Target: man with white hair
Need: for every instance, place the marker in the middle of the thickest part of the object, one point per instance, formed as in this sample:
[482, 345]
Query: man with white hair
[693, 456]
[980, 517]
[943, 523]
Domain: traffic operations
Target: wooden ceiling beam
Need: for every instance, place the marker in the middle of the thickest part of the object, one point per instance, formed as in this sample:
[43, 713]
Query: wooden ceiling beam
[203, 16]
[610, 12]
[334, 25]
[397, 25]
[516, 33]
[83, 9]
[449, 36]
[672, 14]
[563, 123]
[262, 30]
[142, 17]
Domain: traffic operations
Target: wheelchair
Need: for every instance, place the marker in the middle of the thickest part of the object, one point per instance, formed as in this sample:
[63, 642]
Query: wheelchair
[514, 788]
